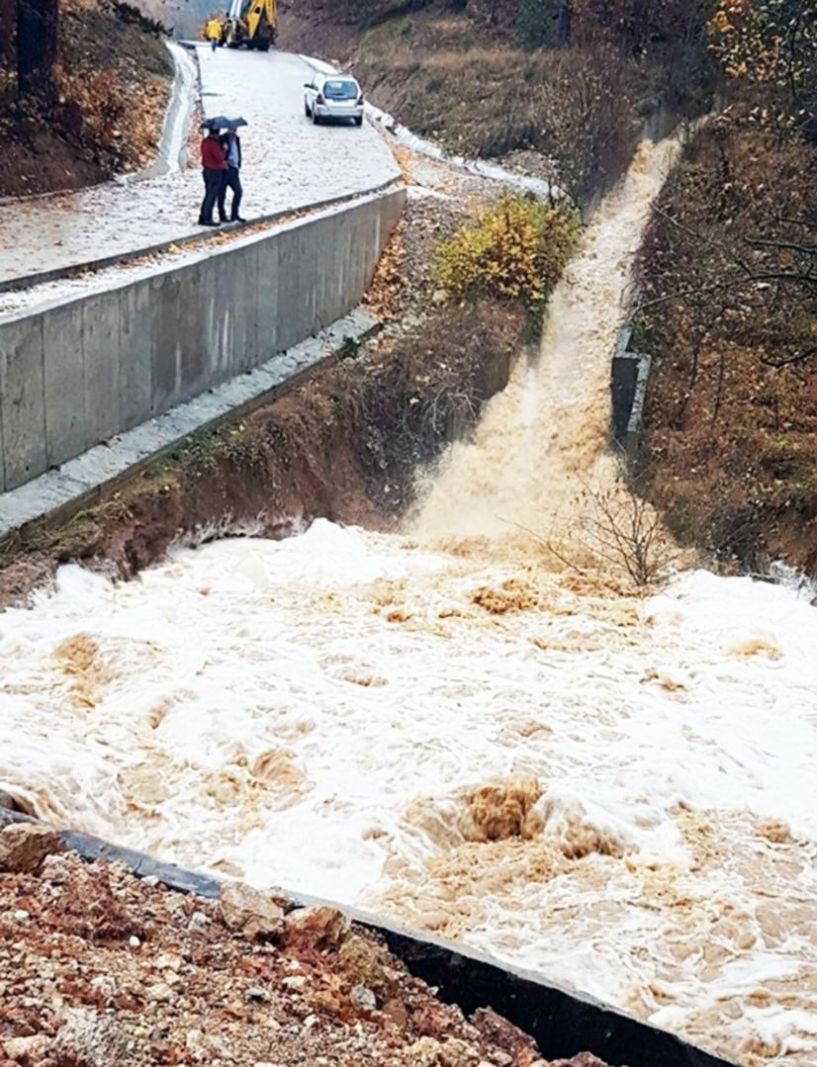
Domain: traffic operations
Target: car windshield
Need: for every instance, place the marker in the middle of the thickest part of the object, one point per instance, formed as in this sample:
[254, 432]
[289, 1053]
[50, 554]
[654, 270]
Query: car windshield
[340, 90]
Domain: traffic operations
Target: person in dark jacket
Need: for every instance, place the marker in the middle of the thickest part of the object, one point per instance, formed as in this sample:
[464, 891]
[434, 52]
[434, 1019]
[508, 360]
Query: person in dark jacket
[231, 144]
[213, 166]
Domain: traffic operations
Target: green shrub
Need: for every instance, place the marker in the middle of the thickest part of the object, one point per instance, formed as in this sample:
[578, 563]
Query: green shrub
[517, 250]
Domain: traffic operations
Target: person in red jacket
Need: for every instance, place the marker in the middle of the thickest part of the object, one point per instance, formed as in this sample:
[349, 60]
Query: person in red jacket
[214, 164]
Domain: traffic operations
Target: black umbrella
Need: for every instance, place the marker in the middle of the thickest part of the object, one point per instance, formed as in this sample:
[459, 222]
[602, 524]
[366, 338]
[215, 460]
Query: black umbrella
[222, 121]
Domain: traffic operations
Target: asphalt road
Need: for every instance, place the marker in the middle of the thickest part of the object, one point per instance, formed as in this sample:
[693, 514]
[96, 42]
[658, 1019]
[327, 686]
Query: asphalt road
[288, 164]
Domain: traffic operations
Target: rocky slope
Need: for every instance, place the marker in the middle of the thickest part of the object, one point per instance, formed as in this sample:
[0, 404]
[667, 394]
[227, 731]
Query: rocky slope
[98, 968]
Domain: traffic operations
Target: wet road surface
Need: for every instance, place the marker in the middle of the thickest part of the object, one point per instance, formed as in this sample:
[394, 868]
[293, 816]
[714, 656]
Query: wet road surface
[288, 164]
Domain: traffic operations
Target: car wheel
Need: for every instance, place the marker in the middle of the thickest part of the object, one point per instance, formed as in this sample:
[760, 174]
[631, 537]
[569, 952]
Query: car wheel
[359, 122]
[316, 119]
[307, 112]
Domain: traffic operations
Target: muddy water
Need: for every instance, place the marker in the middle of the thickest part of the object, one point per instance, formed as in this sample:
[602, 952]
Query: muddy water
[614, 790]
[545, 437]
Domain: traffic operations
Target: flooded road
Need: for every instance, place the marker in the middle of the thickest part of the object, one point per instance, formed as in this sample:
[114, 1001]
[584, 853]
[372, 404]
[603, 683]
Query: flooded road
[452, 728]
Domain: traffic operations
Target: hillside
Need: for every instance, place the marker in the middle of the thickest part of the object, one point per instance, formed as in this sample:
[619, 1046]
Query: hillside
[730, 313]
[507, 80]
[104, 110]
[729, 267]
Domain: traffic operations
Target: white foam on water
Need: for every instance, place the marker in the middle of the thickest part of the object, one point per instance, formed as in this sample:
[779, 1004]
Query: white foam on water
[612, 789]
[279, 710]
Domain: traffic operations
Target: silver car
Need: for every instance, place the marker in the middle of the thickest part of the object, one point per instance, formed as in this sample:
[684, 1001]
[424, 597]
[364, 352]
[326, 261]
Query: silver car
[333, 96]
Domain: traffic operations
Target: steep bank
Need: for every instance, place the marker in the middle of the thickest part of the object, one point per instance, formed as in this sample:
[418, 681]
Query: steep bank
[343, 444]
[730, 305]
[105, 113]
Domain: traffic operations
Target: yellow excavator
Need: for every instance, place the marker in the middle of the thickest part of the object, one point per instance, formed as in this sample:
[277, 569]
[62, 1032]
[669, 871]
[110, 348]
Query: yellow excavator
[252, 23]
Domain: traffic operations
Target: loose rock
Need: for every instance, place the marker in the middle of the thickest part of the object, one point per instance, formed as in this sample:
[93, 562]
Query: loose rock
[160, 991]
[24, 846]
[425, 1052]
[250, 911]
[320, 929]
[94, 1040]
[505, 1034]
[363, 963]
[363, 998]
[25, 1049]
[210, 998]
[458, 1053]
[105, 985]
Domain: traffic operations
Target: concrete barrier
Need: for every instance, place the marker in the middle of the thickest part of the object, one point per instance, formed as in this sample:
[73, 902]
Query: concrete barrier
[79, 371]
[629, 380]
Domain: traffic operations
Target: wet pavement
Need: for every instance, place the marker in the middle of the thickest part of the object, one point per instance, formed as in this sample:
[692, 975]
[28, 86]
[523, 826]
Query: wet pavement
[288, 164]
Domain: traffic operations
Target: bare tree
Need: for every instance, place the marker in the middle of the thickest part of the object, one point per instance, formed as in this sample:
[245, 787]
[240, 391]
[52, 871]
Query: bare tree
[612, 529]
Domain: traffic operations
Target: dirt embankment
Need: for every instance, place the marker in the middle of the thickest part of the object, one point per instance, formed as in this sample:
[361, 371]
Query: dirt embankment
[344, 444]
[730, 313]
[104, 115]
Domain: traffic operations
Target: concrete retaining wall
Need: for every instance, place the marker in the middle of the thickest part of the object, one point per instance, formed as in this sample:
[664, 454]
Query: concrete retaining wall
[630, 377]
[75, 373]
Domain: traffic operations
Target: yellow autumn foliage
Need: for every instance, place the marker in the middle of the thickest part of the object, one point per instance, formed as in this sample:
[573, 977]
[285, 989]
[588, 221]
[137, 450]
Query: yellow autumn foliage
[516, 250]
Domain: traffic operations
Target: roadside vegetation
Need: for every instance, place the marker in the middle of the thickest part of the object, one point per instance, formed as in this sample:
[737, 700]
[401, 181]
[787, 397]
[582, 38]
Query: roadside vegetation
[562, 90]
[730, 301]
[516, 250]
[84, 98]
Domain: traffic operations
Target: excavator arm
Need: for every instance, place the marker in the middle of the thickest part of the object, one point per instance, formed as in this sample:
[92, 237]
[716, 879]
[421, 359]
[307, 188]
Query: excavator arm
[252, 22]
[260, 12]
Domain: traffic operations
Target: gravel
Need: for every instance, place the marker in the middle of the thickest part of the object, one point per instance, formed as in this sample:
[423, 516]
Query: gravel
[106, 969]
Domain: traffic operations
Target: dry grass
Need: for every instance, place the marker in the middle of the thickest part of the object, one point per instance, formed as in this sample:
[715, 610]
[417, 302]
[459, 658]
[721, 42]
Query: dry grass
[576, 107]
[107, 59]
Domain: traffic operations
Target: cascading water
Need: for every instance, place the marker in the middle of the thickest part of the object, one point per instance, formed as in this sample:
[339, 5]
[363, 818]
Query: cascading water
[550, 425]
[613, 790]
